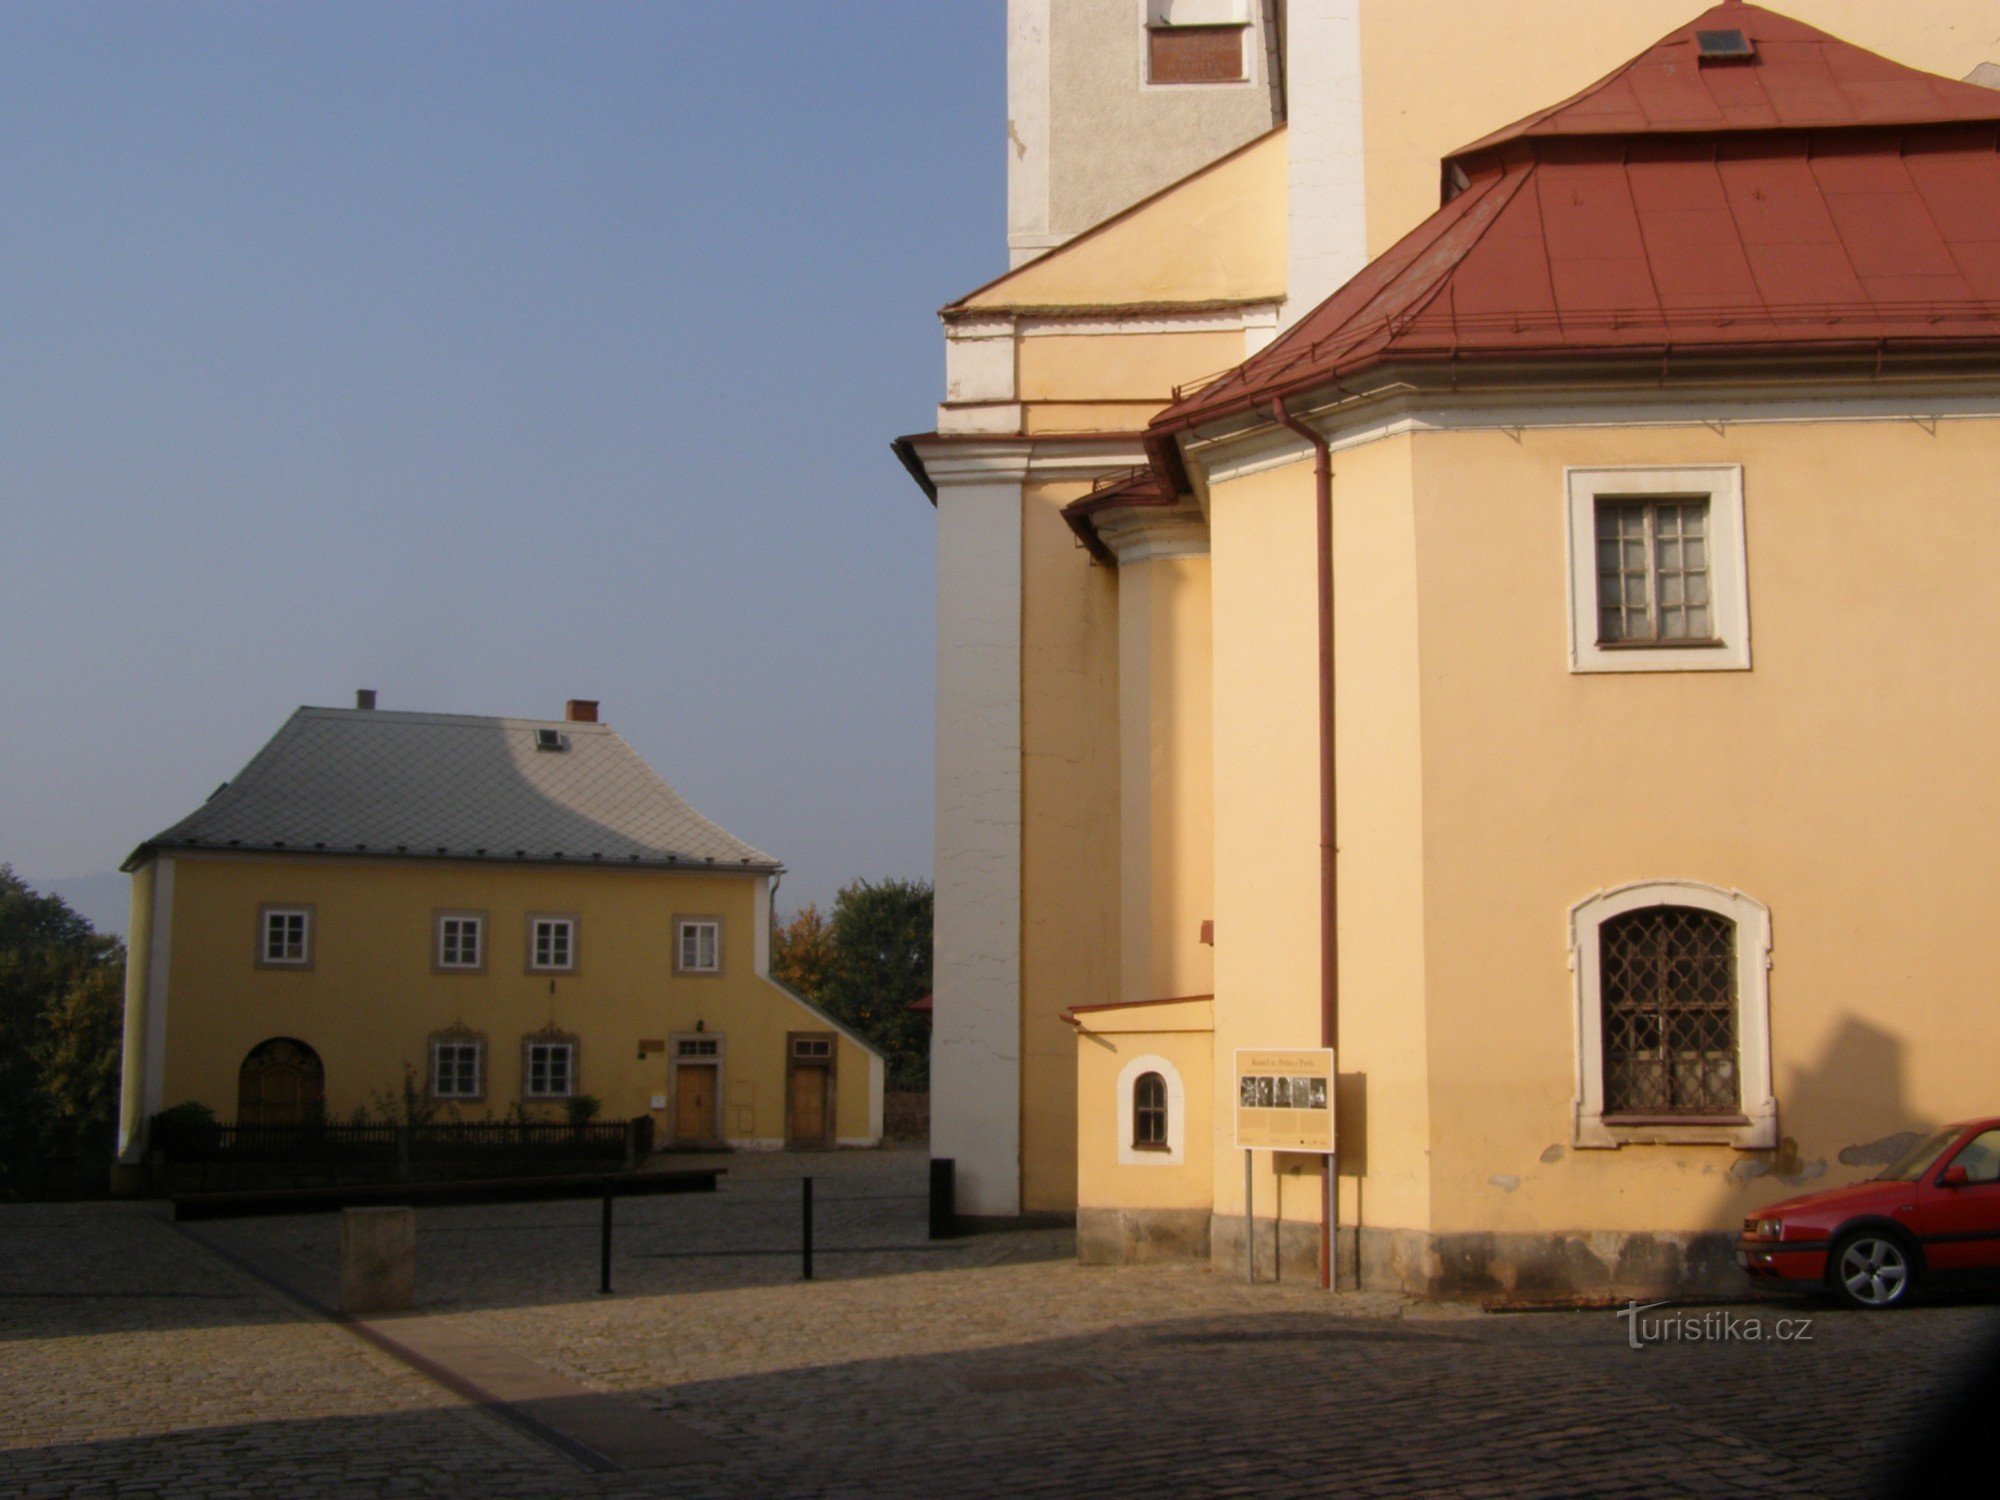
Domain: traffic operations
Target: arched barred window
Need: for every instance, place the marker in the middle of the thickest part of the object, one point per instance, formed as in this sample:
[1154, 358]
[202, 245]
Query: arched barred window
[1667, 979]
[1149, 1113]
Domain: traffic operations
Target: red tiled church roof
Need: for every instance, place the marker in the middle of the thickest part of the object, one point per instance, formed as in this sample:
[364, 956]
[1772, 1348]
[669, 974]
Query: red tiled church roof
[1821, 197]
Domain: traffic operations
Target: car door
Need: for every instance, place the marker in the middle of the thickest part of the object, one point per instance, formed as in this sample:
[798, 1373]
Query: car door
[1960, 1221]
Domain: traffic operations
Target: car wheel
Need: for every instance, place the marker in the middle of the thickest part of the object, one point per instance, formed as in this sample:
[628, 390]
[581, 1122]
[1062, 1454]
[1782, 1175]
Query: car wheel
[1872, 1270]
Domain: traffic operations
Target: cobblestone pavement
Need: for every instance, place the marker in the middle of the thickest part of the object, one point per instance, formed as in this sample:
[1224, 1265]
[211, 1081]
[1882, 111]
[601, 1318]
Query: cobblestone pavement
[135, 1362]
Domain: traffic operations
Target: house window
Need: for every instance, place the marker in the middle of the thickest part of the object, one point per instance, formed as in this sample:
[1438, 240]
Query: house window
[552, 944]
[457, 1068]
[1149, 1113]
[698, 945]
[550, 1070]
[812, 1048]
[1673, 1017]
[1652, 572]
[461, 940]
[697, 1047]
[284, 937]
[1667, 978]
[1657, 574]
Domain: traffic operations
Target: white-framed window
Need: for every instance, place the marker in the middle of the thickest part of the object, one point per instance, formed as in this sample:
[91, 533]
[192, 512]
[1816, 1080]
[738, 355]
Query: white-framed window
[1673, 1017]
[698, 945]
[698, 1048]
[1151, 1113]
[458, 1067]
[1657, 575]
[549, 1069]
[284, 937]
[461, 940]
[552, 944]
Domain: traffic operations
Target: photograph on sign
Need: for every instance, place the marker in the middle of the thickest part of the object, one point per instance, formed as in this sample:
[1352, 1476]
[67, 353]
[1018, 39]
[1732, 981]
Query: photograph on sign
[1284, 1099]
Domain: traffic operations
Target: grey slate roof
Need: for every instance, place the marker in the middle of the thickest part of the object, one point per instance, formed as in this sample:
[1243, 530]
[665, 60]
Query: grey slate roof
[373, 781]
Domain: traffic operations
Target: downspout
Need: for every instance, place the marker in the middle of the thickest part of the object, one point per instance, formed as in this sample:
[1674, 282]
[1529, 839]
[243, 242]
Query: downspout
[1329, 887]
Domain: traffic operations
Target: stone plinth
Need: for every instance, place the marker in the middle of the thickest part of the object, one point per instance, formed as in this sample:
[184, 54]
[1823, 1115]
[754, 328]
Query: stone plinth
[378, 1259]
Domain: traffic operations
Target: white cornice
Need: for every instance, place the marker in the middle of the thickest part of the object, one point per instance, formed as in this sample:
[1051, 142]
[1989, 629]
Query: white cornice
[1023, 459]
[1405, 410]
[1142, 533]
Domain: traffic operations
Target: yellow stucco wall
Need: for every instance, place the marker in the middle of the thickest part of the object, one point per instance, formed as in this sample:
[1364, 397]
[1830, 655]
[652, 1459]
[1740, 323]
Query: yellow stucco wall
[1069, 828]
[1432, 79]
[371, 999]
[1167, 820]
[1143, 366]
[1846, 782]
[1106, 1043]
[1218, 236]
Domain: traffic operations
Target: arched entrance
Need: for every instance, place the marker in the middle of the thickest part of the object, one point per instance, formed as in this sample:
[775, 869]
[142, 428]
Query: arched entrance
[281, 1083]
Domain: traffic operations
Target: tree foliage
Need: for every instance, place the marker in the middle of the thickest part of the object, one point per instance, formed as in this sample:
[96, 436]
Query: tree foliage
[865, 965]
[61, 1022]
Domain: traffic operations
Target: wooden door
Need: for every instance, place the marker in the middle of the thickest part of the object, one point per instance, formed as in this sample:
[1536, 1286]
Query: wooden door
[280, 1083]
[808, 1105]
[694, 1102]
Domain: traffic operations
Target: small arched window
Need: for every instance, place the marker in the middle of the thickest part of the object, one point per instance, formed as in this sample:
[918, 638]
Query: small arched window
[1668, 977]
[1149, 1113]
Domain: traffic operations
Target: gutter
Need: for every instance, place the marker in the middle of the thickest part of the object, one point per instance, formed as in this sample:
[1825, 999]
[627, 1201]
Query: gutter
[1329, 872]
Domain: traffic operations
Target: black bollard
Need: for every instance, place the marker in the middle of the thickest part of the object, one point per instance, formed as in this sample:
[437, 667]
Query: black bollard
[944, 1198]
[808, 1244]
[604, 1252]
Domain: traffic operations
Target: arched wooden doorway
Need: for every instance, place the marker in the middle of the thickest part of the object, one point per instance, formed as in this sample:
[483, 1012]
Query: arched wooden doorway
[281, 1083]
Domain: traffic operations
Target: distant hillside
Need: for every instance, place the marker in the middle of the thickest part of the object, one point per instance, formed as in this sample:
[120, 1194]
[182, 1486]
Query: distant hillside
[104, 901]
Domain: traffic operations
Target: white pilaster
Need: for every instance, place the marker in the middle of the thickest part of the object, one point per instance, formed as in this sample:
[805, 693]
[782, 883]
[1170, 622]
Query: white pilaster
[976, 974]
[1328, 240]
[1027, 131]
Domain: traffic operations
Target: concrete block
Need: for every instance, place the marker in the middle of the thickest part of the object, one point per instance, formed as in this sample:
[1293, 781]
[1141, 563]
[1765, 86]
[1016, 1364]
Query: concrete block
[378, 1259]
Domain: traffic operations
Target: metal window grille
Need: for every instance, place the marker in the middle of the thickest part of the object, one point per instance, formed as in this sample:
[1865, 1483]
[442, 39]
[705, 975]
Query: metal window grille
[552, 945]
[1653, 571]
[1149, 1111]
[455, 1070]
[1668, 977]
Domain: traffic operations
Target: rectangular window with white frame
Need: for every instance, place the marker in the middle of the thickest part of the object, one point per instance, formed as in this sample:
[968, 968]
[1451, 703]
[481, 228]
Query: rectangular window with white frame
[461, 941]
[552, 945]
[285, 937]
[458, 1069]
[698, 945]
[550, 1070]
[1657, 570]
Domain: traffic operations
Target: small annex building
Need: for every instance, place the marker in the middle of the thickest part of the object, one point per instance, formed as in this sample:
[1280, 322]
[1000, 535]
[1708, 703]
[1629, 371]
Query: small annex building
[1532, 662]
[503, 914]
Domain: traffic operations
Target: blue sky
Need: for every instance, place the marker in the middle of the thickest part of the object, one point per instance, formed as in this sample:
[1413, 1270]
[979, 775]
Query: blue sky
[486, 356]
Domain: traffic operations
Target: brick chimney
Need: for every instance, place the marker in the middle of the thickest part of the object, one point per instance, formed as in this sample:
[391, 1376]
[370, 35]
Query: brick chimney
[581, 711]
[364, 697]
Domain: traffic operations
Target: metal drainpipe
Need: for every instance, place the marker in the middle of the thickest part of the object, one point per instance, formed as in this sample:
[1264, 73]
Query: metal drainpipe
[1329, 887]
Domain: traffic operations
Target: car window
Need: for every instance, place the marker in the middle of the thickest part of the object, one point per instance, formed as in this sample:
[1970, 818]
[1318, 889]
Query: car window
[1981, 1158]
[1912, 1163]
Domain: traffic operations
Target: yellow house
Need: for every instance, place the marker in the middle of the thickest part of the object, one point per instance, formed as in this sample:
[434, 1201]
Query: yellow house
[503, 914]
[1497, 611]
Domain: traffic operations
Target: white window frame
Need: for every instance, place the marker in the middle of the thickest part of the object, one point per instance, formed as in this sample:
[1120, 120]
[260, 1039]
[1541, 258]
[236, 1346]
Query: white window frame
[284, 960]
[682, 927]
[535, 925]
[1728, 578]
[448, 966]
[1753, 1016]
[528, 1051]
[478, 1050]
[1128, 1077]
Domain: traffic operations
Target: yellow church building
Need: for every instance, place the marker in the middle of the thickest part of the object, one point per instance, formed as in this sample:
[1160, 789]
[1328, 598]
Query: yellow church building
[503, 914]
[1484, 571]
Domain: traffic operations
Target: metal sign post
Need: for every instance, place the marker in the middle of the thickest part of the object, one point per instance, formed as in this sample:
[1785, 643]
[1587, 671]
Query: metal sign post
[1284, 1102]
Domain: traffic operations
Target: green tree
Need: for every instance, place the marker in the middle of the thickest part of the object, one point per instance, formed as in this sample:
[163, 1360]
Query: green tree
[802, 952]
[881, 938]
[61, 1018]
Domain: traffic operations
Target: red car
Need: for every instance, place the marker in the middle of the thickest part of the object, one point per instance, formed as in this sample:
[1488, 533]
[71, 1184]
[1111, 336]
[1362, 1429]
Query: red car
[1934, 1212]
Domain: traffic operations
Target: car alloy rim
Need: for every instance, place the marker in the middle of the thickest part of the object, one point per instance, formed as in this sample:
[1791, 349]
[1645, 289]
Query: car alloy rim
[1874, 1271]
